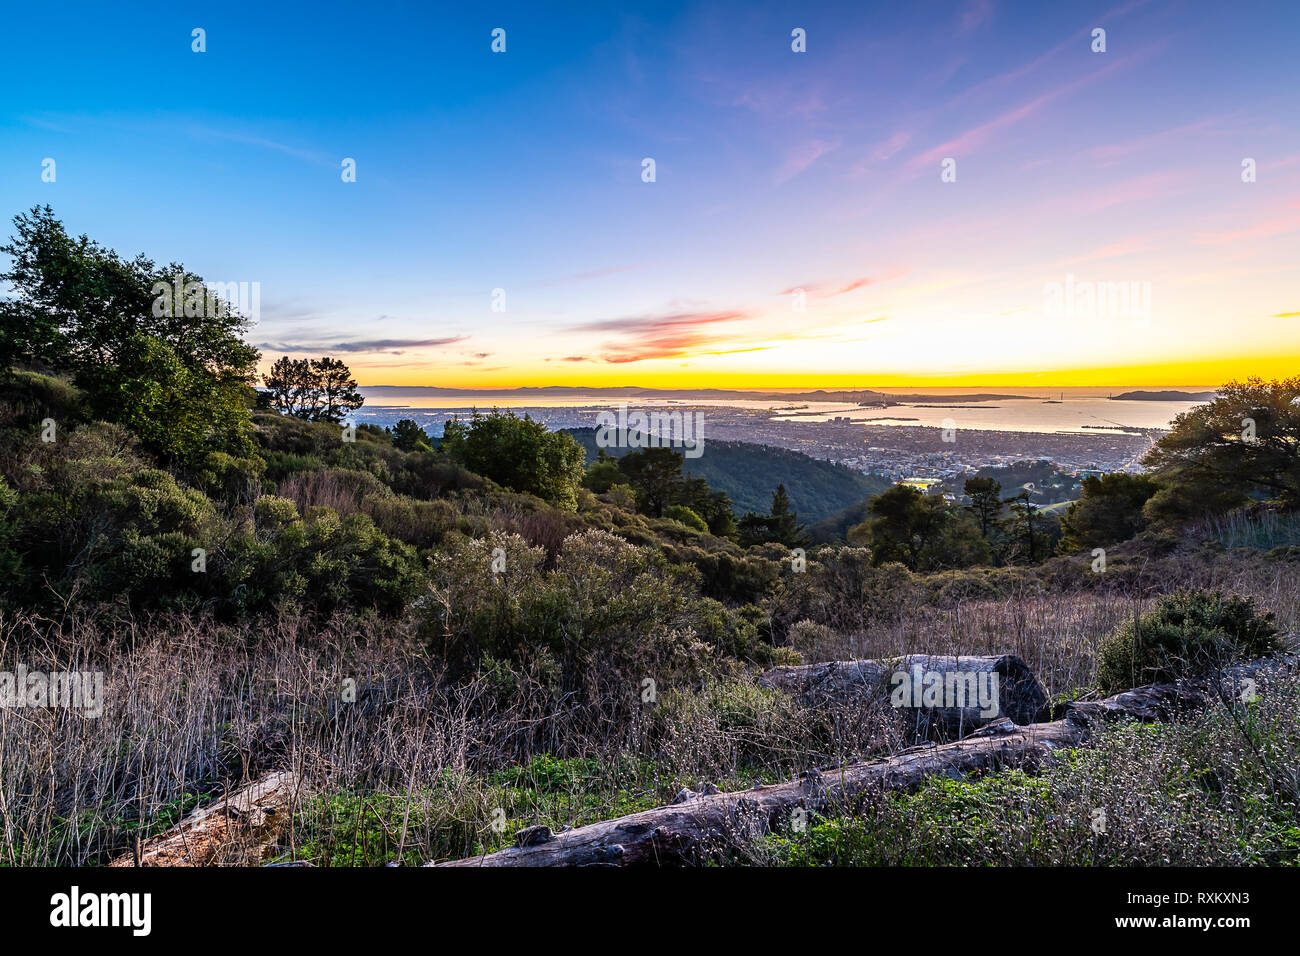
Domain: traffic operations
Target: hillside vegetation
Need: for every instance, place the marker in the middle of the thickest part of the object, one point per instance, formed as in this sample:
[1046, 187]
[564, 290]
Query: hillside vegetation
[447, 645]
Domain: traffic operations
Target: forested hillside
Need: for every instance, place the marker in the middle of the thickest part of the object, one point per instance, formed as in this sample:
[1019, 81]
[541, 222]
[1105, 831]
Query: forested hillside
[749, 474]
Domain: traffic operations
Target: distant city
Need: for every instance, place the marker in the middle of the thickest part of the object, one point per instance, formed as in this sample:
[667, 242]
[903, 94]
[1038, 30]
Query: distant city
[897, 452]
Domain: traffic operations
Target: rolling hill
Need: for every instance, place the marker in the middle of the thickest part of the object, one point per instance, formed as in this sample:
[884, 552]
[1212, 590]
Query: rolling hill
[749, 474]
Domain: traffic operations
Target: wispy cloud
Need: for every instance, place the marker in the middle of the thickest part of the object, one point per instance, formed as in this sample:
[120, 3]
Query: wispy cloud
[1264, 229]
[391, 346]
[199, 131]
[883, 152]
[826, 290]
[1133, 245]
[676, 335]
[802, 157]
[977, 136]
[1112, 151]
[974, 15]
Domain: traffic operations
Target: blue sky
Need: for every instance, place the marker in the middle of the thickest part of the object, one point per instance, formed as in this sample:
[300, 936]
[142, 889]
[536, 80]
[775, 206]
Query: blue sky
[776, 171]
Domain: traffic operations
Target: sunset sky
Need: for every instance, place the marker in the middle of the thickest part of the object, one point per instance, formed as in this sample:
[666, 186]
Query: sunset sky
[775, 171]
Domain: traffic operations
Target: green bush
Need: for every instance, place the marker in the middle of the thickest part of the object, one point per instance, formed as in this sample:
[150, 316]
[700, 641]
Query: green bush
[1183, 635]
[686, 516]
[321, 562]
[606, 610]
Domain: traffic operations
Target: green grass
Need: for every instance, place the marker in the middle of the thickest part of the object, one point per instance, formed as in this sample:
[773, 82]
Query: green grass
[468, 815]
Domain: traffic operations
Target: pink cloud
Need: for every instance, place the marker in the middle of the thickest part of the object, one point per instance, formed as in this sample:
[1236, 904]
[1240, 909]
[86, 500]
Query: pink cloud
[677, 335]
[1264, 229]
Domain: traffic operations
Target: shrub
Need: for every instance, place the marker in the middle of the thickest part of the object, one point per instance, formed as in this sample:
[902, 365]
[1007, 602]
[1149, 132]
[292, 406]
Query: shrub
[320, 562]
[607, 611]
[686, 516]
[1208, 790]
[421, 523]
[845, 591]
[808, 635]
[622, 497]
[729, 577]
[1183, 635]
[275, 513]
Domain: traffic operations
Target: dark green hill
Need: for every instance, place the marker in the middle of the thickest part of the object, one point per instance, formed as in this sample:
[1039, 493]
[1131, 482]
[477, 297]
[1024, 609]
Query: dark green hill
[750, 473]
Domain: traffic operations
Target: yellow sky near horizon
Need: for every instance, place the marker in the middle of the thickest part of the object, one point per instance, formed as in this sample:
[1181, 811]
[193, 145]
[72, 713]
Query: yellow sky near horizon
[1193, 375]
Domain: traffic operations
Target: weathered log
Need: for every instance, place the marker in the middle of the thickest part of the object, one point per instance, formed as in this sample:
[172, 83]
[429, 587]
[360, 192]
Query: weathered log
[237, 829]
[939, 697]
[695, 826]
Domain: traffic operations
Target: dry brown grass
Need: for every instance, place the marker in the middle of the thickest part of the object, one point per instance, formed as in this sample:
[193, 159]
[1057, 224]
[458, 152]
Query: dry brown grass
[1057, 634]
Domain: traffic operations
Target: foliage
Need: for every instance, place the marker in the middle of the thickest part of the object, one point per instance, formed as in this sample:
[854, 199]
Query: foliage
[1244, 444]
[1187, 633]
[518, 453]
[319, 390]
[922, 532]
[408, 436]
[607, 607]
[1109, 511]
[1033, 534]
[686, 516]
[985, 501]
[655, 474]
[844, 589]
[603, 474]
[780, 525]
[88, 518]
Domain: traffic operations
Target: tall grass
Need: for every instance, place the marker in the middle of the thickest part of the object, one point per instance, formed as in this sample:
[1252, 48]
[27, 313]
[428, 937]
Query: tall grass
[1268, 529]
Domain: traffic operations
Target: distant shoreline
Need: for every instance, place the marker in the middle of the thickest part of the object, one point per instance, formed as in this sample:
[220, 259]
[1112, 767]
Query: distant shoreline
[1165, 396]
[847, 396]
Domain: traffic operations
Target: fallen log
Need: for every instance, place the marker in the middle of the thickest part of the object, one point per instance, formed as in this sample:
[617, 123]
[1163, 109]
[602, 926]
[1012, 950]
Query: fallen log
[235, 830]
[940, 697]
[697, 826]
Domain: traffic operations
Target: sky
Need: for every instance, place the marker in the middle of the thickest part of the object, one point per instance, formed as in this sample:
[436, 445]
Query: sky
[935, 193]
